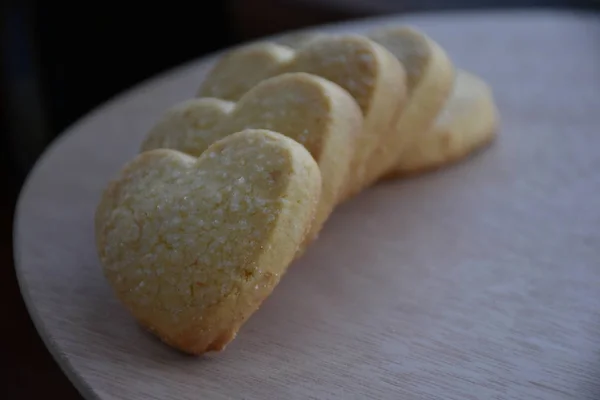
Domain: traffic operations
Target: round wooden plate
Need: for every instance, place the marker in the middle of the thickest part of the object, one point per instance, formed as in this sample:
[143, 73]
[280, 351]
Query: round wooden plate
[479, 281]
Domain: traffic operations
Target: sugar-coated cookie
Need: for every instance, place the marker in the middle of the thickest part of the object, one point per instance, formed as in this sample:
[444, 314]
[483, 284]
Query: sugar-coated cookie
[242, 68]
[468, 122]
[192, 246]
[371, 74]
[429, 80]
[188, 126]
[298, 39]
[430, 77]
[309, 109]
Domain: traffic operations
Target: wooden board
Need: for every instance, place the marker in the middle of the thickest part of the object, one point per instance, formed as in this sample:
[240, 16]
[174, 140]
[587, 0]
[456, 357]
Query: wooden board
[481, 281]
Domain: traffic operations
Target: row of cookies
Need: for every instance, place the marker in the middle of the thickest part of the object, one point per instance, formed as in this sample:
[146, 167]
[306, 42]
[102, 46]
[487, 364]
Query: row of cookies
[234, 184]
[446, 114]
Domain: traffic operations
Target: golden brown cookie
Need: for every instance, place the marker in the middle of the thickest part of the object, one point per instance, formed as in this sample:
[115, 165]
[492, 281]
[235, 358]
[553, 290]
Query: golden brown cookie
[468, 122]
[311, 110]
[192, 246]
[372, 75]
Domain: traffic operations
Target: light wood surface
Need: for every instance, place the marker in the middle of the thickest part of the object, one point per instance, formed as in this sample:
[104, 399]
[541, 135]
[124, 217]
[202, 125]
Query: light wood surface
[481, 281]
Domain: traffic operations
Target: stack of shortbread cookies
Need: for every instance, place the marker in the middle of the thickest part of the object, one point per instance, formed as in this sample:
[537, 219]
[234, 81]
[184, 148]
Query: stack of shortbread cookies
[235, 183]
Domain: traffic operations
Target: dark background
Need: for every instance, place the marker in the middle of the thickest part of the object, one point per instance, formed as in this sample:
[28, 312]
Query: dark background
[60, 60]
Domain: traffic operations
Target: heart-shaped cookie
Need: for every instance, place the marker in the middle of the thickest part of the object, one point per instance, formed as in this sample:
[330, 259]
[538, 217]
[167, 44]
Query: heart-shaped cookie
[429, 81]
[311, 110]
[430, 77]
[188, 126]
[242, 68]
[192, 246]
[372, 75]
[468, 122]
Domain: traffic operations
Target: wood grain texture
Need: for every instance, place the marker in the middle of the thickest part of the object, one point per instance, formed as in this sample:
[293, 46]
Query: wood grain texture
[481, 281]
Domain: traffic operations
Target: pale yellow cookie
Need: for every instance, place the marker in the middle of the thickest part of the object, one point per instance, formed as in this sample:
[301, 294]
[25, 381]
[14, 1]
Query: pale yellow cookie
[192, 246]
[377, 82]
[372, 75]
[311, 110]
[298, 39]
[468, 122]
[242, 68]
[430, 77]
[188, 126]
